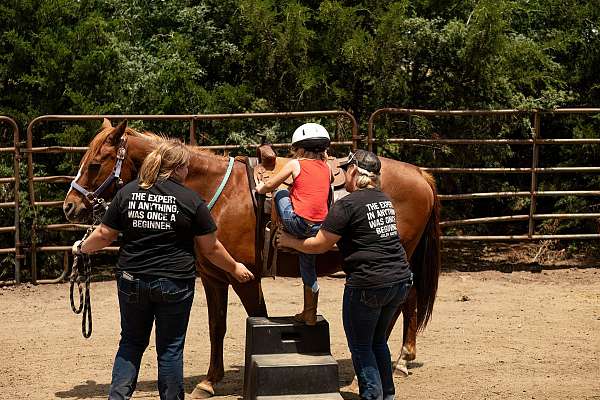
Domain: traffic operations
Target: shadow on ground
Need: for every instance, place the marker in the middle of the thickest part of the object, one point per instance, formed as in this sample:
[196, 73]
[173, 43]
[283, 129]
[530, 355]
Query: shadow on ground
[511, 257]
[92, 389]
[231, 385]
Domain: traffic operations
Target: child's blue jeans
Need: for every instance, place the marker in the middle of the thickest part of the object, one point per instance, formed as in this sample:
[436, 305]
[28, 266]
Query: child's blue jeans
[298, 226]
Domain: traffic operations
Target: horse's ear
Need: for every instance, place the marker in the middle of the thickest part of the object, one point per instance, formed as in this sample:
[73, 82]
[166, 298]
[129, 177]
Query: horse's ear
[106, 123]
[117, 133]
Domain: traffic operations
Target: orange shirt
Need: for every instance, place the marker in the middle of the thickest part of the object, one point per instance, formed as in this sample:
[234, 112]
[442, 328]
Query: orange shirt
[310, 191]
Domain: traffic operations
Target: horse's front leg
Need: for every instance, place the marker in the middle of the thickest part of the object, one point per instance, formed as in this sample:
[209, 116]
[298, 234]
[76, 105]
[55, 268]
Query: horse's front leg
[251, 296]
[216, 301]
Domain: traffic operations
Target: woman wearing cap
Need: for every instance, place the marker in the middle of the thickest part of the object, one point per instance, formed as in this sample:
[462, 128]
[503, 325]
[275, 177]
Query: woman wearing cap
[378, 277]
[156, 266]
[305, 206]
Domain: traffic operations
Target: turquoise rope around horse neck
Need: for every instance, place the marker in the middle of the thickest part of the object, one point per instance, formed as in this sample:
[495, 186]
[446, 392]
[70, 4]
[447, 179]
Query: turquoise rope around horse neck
[222, 185]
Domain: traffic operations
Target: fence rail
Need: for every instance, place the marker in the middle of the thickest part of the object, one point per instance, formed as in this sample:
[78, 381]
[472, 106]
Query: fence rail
[535, 142]
[15, 180]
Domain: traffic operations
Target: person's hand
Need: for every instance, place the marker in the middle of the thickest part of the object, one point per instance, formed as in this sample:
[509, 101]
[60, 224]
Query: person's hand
[241, 273]
[260, 188]
[76, 249]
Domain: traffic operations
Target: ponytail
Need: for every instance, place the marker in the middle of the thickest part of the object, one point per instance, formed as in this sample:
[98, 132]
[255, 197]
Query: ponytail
[366, 179]
[162, 162]
[149, 170]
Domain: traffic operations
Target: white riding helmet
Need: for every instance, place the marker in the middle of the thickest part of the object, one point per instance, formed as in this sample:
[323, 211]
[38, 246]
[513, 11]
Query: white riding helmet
[311, 136]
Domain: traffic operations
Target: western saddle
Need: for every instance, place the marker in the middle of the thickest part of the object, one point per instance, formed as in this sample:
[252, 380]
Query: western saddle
[261, 169]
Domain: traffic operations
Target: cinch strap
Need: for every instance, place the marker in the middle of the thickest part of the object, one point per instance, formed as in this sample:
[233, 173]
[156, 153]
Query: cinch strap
[222, 185]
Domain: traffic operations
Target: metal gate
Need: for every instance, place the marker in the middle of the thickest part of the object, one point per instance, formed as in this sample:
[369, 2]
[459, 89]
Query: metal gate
[533, 192]
[192, 119]
[16, 249]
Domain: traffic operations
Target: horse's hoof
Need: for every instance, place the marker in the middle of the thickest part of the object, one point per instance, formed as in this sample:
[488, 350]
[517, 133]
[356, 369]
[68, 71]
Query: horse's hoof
[203, 390]
[402, 366]
[352, 387]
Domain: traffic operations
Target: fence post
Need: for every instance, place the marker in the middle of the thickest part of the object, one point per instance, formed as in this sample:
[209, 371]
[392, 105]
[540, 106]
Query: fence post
[17, 159]
[15, 204]
[193, 132]
[534, 164]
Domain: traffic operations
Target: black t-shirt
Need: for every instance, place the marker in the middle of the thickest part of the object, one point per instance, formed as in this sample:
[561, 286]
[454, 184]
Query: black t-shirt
[158, 225]
[373, 254]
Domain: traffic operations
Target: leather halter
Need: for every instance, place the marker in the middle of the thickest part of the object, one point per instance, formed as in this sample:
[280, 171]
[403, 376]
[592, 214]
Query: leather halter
[94, 197]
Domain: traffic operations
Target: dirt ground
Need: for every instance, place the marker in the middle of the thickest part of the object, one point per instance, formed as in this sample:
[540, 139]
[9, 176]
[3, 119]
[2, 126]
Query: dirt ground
[494, 335]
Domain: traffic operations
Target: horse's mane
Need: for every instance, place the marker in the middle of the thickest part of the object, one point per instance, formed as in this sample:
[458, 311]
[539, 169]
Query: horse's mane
[158, 138]
[103, 134]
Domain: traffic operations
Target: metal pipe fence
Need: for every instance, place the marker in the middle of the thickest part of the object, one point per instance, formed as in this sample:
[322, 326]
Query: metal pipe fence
[534, 171]
[15, 180]
[192, 119]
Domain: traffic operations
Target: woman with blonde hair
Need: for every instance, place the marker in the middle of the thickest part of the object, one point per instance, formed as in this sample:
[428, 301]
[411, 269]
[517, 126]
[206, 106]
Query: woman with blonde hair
[378, 278]
[161, 221]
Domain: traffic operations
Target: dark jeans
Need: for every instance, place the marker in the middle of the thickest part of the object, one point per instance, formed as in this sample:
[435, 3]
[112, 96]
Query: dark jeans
[367, 314]
[299, 227]
[142, 301]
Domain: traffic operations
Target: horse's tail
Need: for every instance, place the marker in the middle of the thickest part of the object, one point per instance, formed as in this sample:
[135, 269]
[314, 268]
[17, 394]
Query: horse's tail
[426, 260]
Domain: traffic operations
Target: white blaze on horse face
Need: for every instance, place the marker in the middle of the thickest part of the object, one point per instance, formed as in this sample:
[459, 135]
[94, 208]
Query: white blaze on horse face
[75, 180]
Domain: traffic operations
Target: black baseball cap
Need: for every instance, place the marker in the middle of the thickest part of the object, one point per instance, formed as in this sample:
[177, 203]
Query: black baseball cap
[363, 159]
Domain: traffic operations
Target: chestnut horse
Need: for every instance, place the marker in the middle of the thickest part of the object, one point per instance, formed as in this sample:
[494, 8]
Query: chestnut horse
[412, 191]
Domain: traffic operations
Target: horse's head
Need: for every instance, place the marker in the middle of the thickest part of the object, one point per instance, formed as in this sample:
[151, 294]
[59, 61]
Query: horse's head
[103, 166]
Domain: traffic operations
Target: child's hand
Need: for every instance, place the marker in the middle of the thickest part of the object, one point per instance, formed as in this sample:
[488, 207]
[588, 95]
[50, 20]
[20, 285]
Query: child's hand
[260, 188]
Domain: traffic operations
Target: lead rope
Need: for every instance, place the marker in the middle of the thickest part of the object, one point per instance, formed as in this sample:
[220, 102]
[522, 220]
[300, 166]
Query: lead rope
[83, 286]
[83, 279]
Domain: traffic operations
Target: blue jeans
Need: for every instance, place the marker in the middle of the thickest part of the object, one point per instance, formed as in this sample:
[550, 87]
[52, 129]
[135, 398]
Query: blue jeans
[299, 227]
[145, 300]
[367, 314]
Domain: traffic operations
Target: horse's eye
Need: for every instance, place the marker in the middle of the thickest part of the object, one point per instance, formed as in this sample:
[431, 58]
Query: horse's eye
[93, 167]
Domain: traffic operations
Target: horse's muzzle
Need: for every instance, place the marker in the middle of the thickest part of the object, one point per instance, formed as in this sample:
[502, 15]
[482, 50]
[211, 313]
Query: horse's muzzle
[74, 212]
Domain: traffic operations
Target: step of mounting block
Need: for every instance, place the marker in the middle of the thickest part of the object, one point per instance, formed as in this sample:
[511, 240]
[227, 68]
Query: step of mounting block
[275, 335]
[292, 374]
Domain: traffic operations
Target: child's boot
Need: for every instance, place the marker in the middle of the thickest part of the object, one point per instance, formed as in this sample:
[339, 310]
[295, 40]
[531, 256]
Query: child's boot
[309, 314]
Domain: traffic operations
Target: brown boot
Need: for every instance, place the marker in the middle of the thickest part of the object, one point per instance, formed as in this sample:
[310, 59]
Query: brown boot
[309, 314]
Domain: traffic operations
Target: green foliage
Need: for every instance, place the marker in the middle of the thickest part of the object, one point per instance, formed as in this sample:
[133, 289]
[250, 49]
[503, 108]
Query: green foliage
[210, 56]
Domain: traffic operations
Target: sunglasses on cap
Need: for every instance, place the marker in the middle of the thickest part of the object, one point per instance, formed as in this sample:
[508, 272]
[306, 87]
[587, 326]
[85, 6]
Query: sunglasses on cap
[350, 161]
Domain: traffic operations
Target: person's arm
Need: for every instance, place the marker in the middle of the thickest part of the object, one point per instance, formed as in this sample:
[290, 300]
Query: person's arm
[313, 245]
[213, 250]
[101, 237]
[278, 179]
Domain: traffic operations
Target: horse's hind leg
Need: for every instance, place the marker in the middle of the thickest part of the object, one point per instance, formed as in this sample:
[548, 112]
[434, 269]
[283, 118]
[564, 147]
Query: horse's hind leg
[216, 301]
[409, 338]
[251, 295]
[409, 331]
